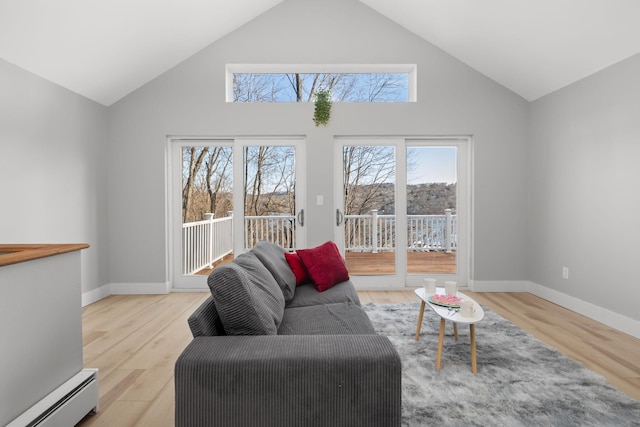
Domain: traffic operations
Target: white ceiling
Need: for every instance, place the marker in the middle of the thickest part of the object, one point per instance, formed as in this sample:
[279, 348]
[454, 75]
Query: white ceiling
[104, 49]
[532, 47]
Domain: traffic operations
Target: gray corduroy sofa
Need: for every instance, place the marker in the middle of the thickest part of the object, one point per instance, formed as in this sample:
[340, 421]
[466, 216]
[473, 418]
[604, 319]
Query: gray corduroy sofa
[269, 353]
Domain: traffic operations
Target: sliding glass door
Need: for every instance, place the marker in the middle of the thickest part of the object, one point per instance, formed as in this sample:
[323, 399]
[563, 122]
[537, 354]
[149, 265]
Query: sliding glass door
[401, 209]
[273, 208]
[226, 196]
[368, 208]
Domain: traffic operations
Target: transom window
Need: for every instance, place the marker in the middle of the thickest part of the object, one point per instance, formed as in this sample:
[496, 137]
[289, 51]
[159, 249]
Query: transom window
[299, 83]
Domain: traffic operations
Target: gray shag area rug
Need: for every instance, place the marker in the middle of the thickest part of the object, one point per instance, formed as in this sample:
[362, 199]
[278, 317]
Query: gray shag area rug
[520, 381]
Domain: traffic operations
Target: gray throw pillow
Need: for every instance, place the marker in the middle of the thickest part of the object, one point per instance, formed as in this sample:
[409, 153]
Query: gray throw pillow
[272, 257]
[247, 297]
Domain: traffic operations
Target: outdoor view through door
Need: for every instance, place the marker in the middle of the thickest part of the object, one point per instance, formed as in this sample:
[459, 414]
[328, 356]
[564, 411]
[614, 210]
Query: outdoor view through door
[269, 196]
[431, 209]
[371, 202]
[218, 219]
[402, 209]
[207, 207]
[369, 208]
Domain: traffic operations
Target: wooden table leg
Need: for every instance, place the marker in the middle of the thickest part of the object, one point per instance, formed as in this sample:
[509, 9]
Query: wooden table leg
[472, 332]
[440, 343]
[455, 330]
[420, 320]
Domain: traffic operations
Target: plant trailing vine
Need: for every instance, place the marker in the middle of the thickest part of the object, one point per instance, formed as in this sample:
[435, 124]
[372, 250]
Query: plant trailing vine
[322, 112]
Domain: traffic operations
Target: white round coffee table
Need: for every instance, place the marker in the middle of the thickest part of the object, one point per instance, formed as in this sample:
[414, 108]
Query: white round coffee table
[456, 318]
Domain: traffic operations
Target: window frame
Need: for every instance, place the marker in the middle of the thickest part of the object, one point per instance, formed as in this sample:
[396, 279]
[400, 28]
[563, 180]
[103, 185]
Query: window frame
[410, 69]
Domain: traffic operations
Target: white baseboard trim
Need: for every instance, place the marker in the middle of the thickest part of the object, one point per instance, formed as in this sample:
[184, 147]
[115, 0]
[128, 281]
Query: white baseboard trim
[124, 289]
[597, 313]
[95, 295]
[592, 311]
[139, 288]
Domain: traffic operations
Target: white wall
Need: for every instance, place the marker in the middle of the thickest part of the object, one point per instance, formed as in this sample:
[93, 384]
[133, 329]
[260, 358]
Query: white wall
[453, 99]
[52, 168]
[554, 180]
[584, 178]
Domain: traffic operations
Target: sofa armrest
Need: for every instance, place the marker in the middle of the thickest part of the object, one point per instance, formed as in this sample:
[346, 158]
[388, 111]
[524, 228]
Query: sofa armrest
[303, 380]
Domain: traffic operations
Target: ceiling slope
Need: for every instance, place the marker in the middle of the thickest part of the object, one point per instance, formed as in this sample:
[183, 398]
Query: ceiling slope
[531, 47]
[106, 49]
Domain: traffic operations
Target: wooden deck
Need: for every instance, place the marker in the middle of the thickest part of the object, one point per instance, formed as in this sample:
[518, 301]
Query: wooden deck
[206, 271]
[367, 264]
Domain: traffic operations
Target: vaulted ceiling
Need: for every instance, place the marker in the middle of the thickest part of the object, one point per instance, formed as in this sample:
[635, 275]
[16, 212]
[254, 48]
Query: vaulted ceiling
[104, 49]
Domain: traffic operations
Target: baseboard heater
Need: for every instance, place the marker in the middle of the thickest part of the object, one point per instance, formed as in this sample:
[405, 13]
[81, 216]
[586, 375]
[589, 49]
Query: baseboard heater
[66, 405]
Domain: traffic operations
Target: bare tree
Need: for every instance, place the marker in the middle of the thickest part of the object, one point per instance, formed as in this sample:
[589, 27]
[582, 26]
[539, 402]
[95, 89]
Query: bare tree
[255, 88]
[268, 175]
[217, 176]
[269, 182]
[368, 172]
[193, 156]
[379, 88]
[301, 87]
[253, 180]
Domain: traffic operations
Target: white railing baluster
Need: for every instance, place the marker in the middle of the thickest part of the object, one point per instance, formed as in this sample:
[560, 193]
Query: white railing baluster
[373, 231]
[278, 229]
[377, 232]
[448, 228]
[205, 242]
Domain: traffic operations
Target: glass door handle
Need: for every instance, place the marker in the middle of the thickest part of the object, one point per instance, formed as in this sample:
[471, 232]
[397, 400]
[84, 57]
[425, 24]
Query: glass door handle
[301, 217]
[339, 217]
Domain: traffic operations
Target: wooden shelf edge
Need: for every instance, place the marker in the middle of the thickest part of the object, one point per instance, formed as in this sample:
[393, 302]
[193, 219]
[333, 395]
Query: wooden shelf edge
[28, 252]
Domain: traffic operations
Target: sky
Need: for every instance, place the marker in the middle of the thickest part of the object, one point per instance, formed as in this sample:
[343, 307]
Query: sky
[432, 164]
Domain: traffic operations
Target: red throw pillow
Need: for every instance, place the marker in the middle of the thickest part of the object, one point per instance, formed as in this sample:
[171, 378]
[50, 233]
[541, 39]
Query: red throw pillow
[302, 276]
[325, 265]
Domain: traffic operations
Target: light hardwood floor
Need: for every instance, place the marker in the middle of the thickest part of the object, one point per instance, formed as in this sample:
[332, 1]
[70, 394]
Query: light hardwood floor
[135, 339]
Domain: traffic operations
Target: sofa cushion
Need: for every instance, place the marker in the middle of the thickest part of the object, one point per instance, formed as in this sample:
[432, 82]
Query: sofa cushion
[247, 297]
[307, 295]
[205, 321]
[326, 319]
[325, 265]
[272, 257]
[298, 268]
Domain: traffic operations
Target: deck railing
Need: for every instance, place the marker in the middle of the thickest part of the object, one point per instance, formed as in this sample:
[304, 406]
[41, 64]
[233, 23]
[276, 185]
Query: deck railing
[373, 233]
[208, 241]
[433, 232]
[205, 242]
[278, 229]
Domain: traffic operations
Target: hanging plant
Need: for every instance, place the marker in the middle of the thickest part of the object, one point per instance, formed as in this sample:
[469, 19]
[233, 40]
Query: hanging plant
[322, 112]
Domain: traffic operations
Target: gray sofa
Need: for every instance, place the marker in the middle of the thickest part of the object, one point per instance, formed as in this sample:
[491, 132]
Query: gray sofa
[269, 353]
